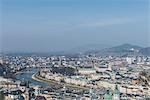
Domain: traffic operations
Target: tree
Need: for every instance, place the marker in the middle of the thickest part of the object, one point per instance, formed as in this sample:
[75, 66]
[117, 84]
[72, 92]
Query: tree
[2, 97]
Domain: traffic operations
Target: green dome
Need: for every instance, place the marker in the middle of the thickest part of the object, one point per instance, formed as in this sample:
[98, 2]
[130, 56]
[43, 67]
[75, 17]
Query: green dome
[108, 96]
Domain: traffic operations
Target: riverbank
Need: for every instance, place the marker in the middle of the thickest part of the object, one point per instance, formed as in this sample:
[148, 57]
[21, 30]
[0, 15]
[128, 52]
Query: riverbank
[40, 79]
[22, 71]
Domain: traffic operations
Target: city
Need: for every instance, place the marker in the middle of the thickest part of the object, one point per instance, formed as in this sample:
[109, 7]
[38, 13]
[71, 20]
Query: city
[74, 50]
[82, 77]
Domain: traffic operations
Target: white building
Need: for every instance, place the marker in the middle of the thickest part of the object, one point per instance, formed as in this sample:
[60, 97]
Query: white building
[130, 60]
[86, 71]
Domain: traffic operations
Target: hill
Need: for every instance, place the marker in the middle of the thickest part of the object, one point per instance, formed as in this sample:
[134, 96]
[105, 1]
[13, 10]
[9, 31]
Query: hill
[145, 51]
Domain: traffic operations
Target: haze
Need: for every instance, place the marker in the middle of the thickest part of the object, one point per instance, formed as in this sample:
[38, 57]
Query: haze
[58, 25]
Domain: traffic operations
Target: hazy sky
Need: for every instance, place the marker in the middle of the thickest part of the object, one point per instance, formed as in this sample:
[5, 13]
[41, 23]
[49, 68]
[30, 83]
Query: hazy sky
[56, 25]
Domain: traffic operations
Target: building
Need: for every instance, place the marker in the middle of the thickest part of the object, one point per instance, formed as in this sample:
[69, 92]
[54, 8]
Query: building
[86, 71]
[116, 94]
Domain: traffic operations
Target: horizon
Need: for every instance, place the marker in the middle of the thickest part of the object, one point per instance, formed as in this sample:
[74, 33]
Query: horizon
[56, 25]
[72, 51]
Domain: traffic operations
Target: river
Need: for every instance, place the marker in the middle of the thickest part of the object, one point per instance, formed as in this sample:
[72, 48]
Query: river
[26, 75]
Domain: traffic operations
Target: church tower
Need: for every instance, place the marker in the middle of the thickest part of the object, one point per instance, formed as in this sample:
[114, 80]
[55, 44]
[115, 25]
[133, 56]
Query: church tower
[116, 94]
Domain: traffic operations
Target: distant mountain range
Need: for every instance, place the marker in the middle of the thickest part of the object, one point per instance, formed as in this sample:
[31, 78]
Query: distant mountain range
[97, 49]
[123, 49]
[145, 51]
[89, 47]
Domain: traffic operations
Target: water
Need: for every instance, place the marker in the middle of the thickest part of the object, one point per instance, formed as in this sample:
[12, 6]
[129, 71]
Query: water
[27, 76]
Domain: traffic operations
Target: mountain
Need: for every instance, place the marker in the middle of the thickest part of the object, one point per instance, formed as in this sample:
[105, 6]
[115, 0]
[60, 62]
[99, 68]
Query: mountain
[120, 49]
[124, 48]
[89, 47]
[145, 51]
[100, 49]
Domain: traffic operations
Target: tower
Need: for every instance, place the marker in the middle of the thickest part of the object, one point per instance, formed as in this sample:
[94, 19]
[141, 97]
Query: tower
[116, 94]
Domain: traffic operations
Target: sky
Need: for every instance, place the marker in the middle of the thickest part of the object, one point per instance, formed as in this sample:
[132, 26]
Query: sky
[59, 25]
